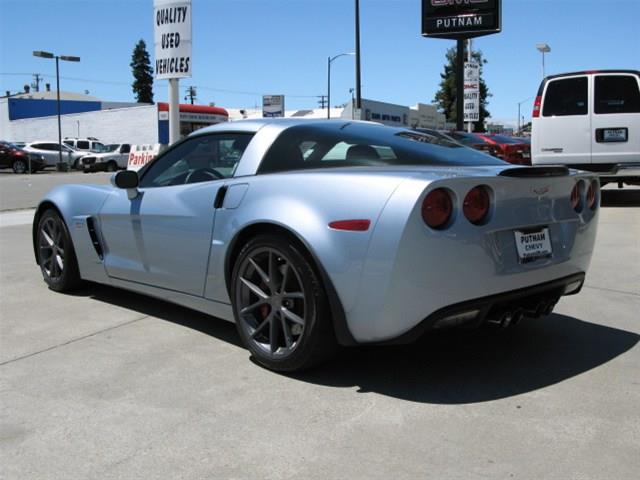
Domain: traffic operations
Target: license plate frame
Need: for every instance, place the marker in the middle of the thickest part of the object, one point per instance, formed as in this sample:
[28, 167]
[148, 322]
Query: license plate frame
[533, 245]
[614, 135]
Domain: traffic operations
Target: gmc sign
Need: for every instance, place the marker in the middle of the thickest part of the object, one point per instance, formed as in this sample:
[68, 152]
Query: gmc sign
[457, 19]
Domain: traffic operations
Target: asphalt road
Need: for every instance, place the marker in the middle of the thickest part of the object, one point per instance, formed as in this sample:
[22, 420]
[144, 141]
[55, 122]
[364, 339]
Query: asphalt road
[106, 384]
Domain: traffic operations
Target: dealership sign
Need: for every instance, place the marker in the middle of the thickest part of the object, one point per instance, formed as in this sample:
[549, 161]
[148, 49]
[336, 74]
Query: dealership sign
[273, 106]
[172, 35]
[457, 19]
[471, 106]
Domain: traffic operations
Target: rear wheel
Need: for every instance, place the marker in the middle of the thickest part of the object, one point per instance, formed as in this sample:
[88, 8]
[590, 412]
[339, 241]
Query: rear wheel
[19, 166]
[56, 256]
[280, 306]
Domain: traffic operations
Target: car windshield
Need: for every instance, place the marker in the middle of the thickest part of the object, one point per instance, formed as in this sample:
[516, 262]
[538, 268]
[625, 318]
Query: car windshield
[358, 144]
[111, 147]
[99, 148]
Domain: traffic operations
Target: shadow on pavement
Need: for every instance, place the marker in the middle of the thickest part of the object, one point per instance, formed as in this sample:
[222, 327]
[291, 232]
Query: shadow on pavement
[469, 366]
[215, 327]
[621, 198]
[450, 367]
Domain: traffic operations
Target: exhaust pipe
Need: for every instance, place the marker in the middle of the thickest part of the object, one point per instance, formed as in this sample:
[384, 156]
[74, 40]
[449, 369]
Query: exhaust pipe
[506, 318]
[518, 315]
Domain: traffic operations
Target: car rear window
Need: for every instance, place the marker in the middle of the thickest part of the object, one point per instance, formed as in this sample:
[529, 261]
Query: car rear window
[567, 96]
[303, 147]
[505, 139]
[616, 94]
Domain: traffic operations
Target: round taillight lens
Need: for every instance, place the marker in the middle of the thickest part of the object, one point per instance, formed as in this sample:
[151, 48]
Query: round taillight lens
[437, 208]
[576, 196]
[476, 205]
[592, 195]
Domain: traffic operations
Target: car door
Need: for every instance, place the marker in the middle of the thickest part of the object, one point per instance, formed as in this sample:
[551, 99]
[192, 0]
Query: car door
[162, 237]
[615, 123]
[564, 128]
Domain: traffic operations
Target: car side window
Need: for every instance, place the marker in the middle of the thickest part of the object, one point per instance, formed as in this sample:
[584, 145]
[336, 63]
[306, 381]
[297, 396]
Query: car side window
[125, 148]
[82, 145]
[566, 97]
[199, 159]
[616, 94]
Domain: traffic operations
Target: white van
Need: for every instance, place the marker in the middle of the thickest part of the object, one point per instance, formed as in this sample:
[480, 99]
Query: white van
[591, 121]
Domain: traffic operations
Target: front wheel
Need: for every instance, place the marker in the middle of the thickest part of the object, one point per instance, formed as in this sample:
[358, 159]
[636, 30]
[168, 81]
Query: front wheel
[112, 166]
[280, 306]
[19, 166]
[56, 256]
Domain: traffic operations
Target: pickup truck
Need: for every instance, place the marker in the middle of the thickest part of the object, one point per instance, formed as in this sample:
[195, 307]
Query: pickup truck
[114, 157]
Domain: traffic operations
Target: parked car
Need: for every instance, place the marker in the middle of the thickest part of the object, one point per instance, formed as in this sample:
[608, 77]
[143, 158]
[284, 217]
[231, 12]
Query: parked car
[438, 134]
[49, 150]
[11, 156]
[475, 141]
[304, 247]
[89, 144]
[115, 156]
[510, 149]
[590, 120]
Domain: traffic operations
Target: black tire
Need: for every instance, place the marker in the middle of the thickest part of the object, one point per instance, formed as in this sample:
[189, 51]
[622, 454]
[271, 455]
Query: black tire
[56, 255]
[297, 346]
[20, 166]
[112, 166]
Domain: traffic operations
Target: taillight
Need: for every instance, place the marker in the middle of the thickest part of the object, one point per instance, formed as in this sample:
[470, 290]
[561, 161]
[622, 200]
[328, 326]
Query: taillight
[576, 196]
[536, 107]
[476, 205]
[592, 195]
[437, 208]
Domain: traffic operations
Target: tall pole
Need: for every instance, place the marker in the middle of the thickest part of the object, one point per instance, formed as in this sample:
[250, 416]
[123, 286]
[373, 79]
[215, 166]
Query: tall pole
[543, 65]
[469, 124]
[459, 84]
[328, 87]
[60, 167]
[358, 92]
[174, 112]
[518, 118]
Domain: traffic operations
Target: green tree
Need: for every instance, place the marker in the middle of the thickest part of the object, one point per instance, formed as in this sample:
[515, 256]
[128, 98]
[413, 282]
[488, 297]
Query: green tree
[445, 97]
[142, 73]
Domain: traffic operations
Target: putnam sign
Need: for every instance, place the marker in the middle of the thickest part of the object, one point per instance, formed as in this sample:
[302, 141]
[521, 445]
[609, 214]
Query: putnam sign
[172, 35]
[456, 19]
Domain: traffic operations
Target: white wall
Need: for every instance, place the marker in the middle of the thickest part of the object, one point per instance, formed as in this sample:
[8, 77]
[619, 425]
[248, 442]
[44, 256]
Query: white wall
[123, 125]
[4, 119]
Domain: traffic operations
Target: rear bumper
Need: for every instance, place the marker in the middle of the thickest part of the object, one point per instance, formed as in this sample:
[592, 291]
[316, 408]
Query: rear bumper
[533, 300]
[611, 170]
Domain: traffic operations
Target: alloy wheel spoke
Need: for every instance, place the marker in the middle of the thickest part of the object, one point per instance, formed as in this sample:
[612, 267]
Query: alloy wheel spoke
[254, 288]
[47, 237]
[265, 322]
[293, 295]
[292, 316]
[273, 334]
[273, 270]
[253, 306]
[285, 277]
[60, 262]
[287, 332]
[261, 272]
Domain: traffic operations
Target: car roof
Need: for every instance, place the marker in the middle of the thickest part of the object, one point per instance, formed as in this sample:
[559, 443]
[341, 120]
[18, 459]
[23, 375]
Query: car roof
[581, 72]
[253, 125]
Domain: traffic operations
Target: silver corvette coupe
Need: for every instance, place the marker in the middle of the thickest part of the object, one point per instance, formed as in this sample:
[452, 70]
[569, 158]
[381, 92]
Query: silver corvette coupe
[313, 234]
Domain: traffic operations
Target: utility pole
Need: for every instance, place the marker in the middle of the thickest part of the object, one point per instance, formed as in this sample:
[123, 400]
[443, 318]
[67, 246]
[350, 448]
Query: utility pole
[357, 29]
[36, 82]
[323, 101]
[459, 84]
[191, 94]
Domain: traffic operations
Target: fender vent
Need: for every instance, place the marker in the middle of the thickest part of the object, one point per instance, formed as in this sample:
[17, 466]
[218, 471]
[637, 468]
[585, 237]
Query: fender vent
[94, 237]
[533, 172]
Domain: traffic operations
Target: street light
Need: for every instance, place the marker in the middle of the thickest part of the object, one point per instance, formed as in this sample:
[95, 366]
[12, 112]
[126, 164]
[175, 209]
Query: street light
[543, 48]
[329, 61]
[520, 103]
[66, 58]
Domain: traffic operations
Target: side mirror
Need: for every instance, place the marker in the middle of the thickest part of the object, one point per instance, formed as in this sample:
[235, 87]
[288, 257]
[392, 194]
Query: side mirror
[128, 180]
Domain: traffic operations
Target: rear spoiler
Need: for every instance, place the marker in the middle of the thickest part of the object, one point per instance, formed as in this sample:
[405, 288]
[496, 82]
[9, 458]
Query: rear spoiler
[529, 172]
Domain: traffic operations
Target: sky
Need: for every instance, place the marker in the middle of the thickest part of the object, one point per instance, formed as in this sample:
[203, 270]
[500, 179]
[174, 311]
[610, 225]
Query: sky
[243, 49]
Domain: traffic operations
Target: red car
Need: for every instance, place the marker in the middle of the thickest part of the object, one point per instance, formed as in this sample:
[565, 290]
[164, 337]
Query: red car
[17, 159]
[510, 149]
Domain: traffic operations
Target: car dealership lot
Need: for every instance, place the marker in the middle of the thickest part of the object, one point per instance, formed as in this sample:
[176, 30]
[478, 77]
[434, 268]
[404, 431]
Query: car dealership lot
[110, 384]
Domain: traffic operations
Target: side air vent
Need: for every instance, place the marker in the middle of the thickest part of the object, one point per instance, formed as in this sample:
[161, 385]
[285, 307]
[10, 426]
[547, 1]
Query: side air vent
[94, 237]
[533, 172]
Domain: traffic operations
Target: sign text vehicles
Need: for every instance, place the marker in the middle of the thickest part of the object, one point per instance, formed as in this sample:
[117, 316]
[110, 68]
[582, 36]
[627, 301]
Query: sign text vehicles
[471, 104]
[140, 155]
[457, 19]
[172, 36]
